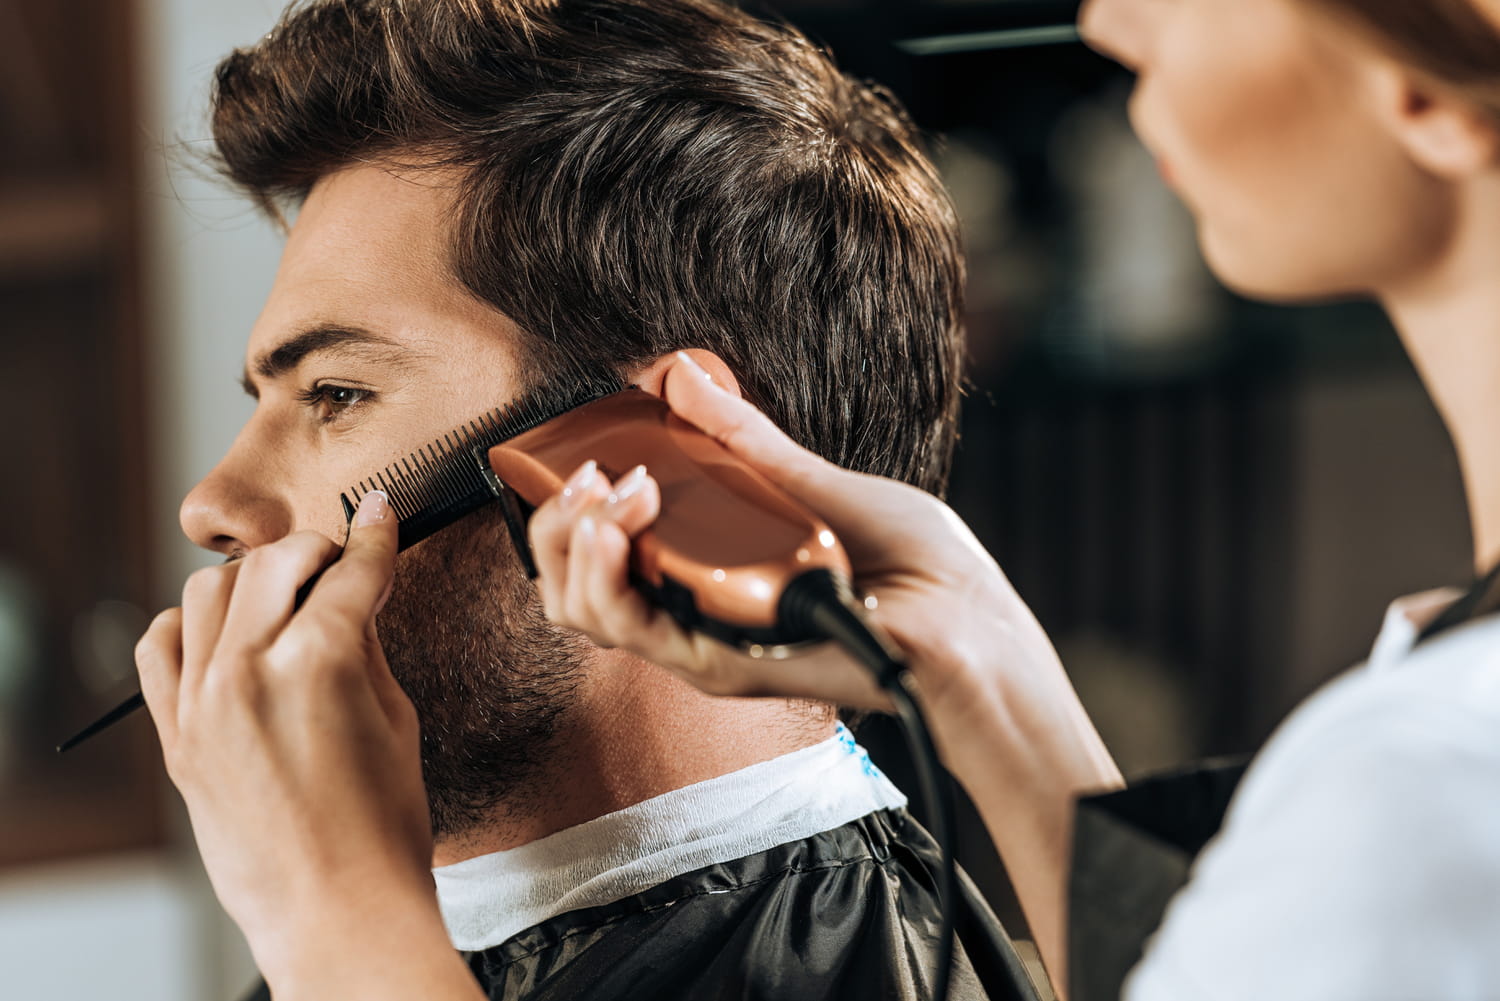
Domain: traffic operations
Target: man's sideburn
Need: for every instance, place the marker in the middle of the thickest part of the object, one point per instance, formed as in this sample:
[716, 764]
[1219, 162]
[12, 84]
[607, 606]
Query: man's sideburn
[491, 678]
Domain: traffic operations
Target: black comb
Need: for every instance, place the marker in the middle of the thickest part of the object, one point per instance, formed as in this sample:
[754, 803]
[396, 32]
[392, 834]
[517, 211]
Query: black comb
[437, 485]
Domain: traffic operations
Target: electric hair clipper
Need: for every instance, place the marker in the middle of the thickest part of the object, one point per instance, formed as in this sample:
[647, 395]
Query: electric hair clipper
[727, 545]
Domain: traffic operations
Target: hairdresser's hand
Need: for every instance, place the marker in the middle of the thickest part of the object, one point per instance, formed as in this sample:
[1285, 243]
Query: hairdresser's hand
[939, 594]
[297, 755]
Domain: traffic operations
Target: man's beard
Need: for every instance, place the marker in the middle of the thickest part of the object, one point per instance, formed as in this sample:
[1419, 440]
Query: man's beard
[491, 678]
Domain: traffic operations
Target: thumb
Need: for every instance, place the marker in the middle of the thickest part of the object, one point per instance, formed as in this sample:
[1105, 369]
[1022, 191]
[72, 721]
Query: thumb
[735, 423]
[853, 504]
[357, 585]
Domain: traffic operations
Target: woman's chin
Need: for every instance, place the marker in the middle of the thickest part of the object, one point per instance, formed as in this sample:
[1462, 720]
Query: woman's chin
[1274, 275]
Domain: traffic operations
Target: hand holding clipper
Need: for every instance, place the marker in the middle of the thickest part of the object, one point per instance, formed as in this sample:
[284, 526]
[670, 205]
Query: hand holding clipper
[728, 545]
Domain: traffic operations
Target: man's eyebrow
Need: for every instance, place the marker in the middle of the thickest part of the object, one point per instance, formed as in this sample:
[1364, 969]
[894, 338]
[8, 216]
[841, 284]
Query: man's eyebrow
[290, 353]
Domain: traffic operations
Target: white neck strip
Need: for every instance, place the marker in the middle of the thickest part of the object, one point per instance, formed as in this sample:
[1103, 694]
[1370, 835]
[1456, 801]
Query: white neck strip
[488, 899]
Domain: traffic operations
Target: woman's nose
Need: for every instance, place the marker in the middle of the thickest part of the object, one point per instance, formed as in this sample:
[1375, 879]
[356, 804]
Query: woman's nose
[1119, 29]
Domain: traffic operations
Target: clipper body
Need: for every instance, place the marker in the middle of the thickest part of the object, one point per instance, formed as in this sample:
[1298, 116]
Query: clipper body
[727, 542]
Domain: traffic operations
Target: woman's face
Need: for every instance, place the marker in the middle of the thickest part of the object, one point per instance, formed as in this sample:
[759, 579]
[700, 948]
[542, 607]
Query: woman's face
[1273, 121]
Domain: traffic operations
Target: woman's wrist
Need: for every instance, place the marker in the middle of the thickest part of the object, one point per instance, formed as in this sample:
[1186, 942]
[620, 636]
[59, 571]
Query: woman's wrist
[999, 699]
[1021, 726]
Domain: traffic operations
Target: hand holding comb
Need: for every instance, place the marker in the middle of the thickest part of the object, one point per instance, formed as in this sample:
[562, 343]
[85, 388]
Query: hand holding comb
[434, 486]
[731, 555]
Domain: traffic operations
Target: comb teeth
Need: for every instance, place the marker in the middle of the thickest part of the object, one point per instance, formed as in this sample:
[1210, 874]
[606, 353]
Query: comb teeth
[441, 482]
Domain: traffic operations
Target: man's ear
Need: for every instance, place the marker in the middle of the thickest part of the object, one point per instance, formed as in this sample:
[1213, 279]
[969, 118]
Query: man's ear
[653, 376]
[1440, 130]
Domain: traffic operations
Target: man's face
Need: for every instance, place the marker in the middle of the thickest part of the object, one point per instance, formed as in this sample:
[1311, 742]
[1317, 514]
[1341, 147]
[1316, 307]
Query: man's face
[367, 349]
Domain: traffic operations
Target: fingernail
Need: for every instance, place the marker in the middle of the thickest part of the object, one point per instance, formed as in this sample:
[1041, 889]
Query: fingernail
[578, 484]
[629, 486]
[692, 366]
[374, 507]
[587, 530]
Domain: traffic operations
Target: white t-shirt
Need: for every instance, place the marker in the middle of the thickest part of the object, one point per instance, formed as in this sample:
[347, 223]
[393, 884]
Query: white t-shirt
[1360, 859]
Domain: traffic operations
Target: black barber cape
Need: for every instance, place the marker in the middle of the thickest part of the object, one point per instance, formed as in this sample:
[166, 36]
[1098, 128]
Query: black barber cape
[848, 913]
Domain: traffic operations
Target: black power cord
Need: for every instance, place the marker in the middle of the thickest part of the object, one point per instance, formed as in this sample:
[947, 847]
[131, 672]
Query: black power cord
[820, 603]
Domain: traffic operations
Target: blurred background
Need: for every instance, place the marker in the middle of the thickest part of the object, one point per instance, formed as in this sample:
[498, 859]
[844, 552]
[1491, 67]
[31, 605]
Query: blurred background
[1207, 502]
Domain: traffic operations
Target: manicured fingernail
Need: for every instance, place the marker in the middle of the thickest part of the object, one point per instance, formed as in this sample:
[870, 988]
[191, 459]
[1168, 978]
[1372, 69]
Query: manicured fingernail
[587, 530]
[374, 507]
[692, 366]
[629, 486]
[578, 484]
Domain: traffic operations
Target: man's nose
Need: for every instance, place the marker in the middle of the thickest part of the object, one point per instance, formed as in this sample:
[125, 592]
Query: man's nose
[235, 508]
[1119, 29]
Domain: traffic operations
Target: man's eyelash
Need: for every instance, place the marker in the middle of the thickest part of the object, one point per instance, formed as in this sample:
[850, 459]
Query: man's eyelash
[332, 400]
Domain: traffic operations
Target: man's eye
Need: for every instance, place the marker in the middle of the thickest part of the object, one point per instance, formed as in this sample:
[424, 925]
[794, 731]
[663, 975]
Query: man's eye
[329, 401]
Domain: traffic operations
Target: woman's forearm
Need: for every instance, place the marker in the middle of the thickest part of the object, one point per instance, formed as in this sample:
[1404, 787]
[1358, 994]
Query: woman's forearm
[1025, 753]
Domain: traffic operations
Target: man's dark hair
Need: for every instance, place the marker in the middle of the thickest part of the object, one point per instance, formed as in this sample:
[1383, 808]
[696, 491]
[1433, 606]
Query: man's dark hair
[641, 176]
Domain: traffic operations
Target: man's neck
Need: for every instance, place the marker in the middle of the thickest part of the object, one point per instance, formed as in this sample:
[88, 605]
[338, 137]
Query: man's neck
[1450, 322]
[629, 742]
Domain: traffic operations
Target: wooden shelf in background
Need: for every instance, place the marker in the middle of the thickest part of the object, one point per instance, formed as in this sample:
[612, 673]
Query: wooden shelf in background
[72, 411]
[50, 225]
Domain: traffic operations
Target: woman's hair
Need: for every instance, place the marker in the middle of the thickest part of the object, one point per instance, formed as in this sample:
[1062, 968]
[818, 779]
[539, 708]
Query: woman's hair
[1449, 41]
